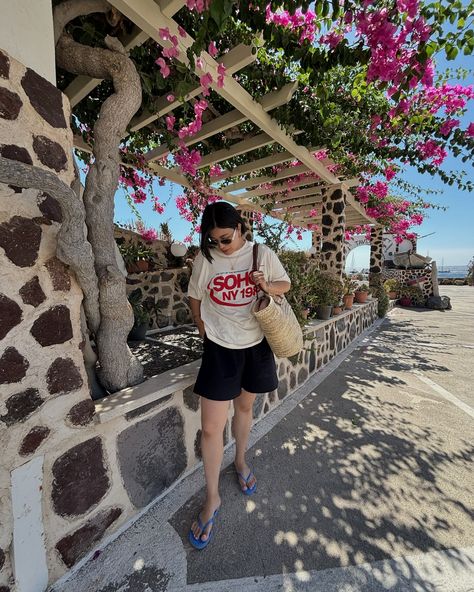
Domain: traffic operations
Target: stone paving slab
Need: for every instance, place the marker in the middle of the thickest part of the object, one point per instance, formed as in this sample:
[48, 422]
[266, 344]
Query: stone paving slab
[365, 485]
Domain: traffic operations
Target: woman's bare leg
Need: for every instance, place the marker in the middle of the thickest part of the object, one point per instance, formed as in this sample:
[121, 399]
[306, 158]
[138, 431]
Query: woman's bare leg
[213, 419]
[241, 424]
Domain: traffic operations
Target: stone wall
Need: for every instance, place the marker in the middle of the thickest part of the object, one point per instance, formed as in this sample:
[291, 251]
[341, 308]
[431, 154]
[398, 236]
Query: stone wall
[403, 276]
[44, 401]
[163, 295]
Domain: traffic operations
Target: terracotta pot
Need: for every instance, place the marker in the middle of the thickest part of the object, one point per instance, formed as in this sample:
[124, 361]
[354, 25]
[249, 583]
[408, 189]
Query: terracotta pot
[348, 301]
[361, 297]
[323, 312]
[142, 265]
[132, 267]
[336, 310]
[393, 295]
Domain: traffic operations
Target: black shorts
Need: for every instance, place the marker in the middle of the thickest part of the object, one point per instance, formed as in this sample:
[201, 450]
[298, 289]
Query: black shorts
[225, 372]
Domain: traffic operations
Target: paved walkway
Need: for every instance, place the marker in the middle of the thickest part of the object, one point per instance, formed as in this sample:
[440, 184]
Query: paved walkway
[365, 481]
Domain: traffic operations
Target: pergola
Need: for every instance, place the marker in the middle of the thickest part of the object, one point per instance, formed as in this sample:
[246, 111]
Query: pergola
[294, 190]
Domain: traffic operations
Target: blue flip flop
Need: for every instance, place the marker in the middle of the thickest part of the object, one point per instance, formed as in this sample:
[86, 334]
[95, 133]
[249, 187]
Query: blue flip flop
[199, 543]
[249, 490]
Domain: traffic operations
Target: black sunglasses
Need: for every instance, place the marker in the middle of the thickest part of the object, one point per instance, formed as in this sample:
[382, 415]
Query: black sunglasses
[223, 241]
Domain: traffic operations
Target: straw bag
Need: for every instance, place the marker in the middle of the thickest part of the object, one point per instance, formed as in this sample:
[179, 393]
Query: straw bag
[277, 321]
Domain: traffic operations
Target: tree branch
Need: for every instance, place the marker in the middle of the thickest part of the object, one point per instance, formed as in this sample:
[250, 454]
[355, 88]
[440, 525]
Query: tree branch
[73, 248]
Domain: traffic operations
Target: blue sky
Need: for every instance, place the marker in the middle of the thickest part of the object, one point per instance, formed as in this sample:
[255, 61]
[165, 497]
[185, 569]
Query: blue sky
[451, 232]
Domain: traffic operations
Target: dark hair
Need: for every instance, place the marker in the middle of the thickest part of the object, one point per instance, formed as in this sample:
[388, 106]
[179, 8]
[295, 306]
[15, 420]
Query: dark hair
[218, 215]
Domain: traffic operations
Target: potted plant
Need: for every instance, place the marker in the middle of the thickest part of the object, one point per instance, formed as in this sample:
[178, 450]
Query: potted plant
[411, 296]
[392, 288]
[337, 304]
[325, 293]
[141, 316]
[348, 293]
[136, 256]
[361, 293]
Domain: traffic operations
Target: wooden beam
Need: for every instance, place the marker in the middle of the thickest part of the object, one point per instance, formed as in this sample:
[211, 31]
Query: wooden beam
[148, 16]
[235, 150]
[234, 60]
[224, 122]
[82, 86]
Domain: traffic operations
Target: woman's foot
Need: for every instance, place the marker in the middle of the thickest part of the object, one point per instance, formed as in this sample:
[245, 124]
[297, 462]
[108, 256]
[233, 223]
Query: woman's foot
[247, 480]
[207, 513]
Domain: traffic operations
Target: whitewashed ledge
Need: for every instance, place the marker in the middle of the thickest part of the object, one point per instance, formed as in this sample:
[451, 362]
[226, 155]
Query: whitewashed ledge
[178, 379]
[153, 389]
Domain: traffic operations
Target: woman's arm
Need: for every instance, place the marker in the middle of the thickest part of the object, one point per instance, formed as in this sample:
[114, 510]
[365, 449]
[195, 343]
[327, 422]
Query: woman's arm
[272, 288]
[195, 306]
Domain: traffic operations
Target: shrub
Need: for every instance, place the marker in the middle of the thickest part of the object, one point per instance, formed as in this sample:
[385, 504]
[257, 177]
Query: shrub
[391, 285]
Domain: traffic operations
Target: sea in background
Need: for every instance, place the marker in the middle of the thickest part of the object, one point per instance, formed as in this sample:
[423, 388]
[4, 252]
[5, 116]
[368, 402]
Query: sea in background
[453, 271]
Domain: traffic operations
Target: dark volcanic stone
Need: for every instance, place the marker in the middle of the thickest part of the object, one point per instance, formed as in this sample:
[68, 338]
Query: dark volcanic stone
[10, 315]
[74, 546]
[4, 72]
[165, 276]
[197, 445]
[63, 376]
[18, 153]
[32, 293]
[302, 375]
[50, 207]
[10, 104]
[13, 366]
[21, 405]
[80, 478]
[53, 326]
[59, 275]
[50, 153]
[191, 400]
[33, 439]
[82, 413]
[20, 238]
[282, 389]
[145, 408]
[2, 554]
[152, 455]
[45, 98]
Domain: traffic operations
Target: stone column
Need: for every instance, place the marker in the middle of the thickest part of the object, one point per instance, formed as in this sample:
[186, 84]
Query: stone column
[247, 215]
[316, 244]
[376, 254]
[333, 224]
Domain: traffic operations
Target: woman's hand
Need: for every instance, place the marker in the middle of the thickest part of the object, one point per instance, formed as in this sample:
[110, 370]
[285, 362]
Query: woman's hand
[259, 280]
[200, 327]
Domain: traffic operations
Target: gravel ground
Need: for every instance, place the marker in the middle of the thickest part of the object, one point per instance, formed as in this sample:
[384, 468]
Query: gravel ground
[167, 349]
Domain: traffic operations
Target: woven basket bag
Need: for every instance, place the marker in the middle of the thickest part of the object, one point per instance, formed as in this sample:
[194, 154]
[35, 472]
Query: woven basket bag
[277, 321]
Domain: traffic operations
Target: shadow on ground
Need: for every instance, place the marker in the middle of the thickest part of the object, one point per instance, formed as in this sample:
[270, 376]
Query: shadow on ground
[368, 467]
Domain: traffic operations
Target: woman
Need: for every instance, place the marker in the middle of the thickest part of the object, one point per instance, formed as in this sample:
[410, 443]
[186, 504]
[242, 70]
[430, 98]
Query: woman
[237, 361]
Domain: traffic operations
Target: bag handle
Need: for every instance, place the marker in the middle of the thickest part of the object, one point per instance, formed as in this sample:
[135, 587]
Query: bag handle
[278, 299]
[255, 257]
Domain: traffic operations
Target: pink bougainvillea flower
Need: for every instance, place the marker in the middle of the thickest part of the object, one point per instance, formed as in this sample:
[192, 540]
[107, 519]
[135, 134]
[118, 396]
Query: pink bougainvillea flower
[181, 31]
[215, 171]
[221, 70]
[164, 33]
[470, 130]
[170, 52]
[170, 121]
[389, 173]
[447, 126]
[212, 49]
[164, 68]
[170, 98]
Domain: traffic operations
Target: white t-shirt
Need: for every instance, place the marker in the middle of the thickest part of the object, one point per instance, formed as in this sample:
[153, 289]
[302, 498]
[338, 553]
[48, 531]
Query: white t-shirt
[227, 295]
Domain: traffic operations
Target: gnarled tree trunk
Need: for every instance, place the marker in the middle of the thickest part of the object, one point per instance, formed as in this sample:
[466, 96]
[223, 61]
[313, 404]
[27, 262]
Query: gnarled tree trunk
[119, 368]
